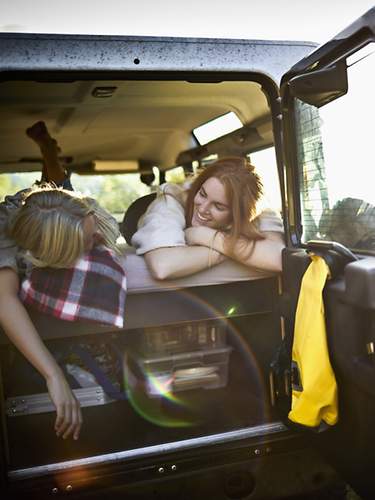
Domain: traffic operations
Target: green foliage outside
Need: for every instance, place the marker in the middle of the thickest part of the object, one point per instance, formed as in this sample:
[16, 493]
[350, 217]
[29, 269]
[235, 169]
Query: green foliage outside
[11, 183]
[114, 192]
[175, 175]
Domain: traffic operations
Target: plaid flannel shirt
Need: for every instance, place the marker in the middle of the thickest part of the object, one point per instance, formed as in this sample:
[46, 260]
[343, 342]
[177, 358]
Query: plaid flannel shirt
[94, 289]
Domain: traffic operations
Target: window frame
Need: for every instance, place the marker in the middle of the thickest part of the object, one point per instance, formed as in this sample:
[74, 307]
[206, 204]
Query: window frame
[291, 174]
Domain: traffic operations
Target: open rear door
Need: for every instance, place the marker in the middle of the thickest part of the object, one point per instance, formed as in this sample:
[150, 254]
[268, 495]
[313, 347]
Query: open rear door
[328, 102]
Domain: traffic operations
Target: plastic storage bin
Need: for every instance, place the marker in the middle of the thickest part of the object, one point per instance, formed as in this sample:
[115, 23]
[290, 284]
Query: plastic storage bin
[179, 372]
[189, 337]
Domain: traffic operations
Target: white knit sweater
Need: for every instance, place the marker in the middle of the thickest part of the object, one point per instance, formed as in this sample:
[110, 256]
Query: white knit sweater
[163, 224]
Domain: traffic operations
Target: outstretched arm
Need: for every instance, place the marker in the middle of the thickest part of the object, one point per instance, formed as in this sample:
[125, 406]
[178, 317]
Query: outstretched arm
[262, 254]
[176, 262]
[20, 330]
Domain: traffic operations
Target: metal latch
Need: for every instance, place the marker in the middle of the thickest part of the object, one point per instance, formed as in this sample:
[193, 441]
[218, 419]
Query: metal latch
[16, 407]
[41, 403]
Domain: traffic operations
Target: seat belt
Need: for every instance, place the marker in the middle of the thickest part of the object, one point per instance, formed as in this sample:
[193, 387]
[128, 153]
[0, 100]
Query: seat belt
[314, 389]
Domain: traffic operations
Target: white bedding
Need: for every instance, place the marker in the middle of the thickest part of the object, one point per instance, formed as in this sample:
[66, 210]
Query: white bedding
[140, 280]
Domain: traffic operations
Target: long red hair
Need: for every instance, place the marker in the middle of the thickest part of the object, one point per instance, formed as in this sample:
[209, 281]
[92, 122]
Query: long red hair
[243, 189]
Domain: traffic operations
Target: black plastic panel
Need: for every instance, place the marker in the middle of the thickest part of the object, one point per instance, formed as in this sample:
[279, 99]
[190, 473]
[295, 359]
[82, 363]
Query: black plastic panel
[360, 283]
[151, 309]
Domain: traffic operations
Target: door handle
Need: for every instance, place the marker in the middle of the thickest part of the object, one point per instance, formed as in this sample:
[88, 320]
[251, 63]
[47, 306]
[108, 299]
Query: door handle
[336, 256]
[333, 246]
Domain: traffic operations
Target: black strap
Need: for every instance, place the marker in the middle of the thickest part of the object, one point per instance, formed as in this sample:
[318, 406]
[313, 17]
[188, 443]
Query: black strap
[103, 380]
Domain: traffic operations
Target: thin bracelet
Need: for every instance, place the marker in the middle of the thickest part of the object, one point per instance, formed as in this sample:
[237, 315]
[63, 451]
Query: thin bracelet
[211, 249]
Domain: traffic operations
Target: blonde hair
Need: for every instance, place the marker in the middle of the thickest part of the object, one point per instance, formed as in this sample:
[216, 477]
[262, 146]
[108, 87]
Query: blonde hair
[49, 226]
[243, 189]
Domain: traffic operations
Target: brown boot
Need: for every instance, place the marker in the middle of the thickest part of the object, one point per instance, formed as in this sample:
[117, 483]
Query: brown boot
[52, 169]
[38, 132]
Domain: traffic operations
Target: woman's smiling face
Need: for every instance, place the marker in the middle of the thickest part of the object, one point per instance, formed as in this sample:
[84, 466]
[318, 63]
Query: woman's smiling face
[211, 206]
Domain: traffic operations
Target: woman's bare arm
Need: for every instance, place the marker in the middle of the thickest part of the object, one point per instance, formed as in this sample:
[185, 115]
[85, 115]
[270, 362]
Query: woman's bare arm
[175, 262]
[262, 254]
[17, 325]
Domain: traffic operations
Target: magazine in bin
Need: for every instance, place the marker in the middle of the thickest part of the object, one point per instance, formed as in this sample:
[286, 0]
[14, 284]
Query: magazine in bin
[178, 372]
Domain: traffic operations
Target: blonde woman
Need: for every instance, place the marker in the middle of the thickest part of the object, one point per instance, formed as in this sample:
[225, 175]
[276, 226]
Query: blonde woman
[48, 227]
[186, 230]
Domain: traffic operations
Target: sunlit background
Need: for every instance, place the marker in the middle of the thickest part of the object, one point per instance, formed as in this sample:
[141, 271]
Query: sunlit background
[270, 19]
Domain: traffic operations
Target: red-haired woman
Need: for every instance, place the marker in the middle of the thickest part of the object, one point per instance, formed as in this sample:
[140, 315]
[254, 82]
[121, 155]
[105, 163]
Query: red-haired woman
[187, 230]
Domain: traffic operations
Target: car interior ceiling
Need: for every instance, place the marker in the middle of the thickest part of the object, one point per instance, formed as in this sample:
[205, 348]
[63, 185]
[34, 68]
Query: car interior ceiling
[146, 121]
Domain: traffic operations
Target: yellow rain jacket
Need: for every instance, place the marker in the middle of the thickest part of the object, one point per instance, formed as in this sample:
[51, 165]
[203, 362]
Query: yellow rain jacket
[314, 389]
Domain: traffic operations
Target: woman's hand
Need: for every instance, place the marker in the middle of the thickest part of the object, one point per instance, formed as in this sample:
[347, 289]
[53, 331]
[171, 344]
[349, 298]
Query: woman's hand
[69, 418]
[205, 237]
[200, 235]
[16, 323]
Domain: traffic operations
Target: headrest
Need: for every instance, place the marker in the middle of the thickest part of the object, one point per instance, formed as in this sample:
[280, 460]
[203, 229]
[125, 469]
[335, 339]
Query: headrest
[130, 222]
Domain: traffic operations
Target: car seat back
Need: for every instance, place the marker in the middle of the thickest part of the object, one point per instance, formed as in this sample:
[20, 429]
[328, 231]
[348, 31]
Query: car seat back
[129, 224]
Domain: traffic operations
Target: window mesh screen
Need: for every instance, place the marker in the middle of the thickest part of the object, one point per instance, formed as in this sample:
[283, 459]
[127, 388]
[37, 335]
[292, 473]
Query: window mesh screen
[312, 179]
[345, 217]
